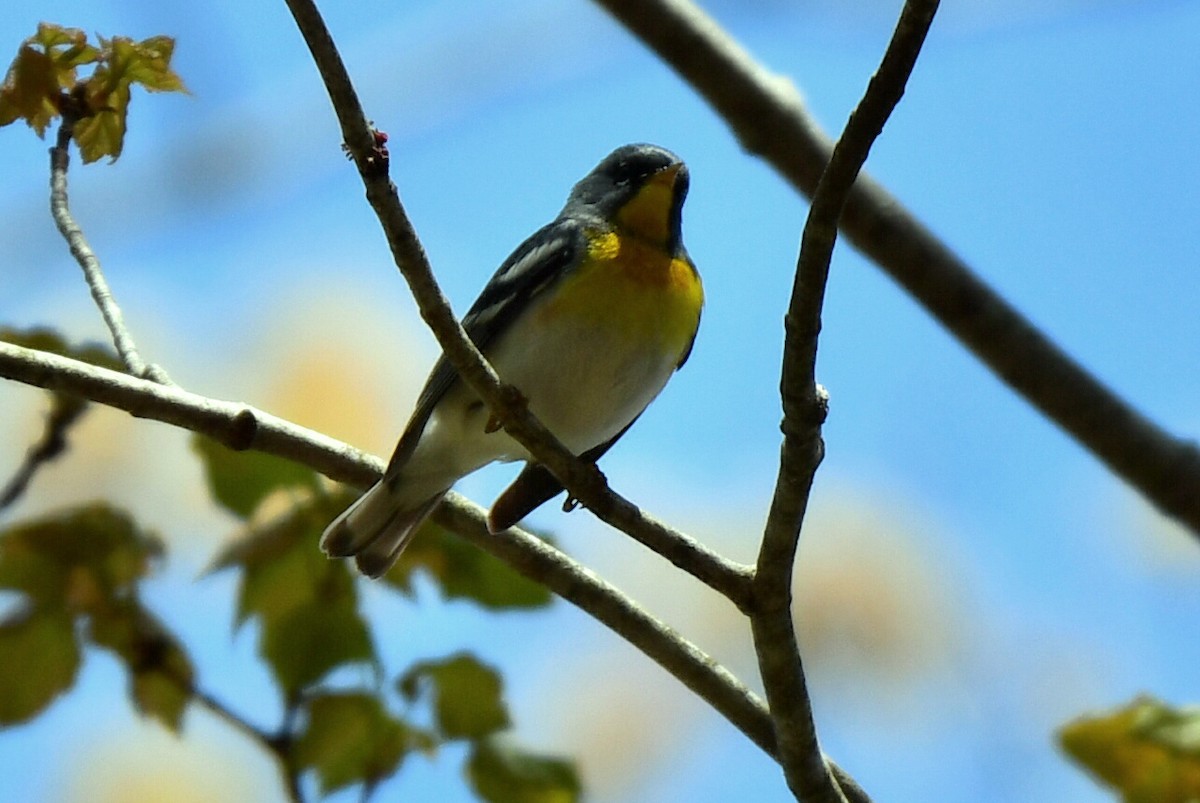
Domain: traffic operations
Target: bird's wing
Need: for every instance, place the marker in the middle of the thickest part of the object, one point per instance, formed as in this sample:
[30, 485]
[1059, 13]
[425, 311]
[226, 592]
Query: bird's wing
[529, 270]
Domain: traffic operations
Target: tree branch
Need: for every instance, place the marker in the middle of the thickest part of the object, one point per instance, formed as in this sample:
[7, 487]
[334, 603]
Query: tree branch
[805, 405]
[539, 561]
[273, 744]
[242, 427]
[65, 411]
[288, 778]
[60, 159]
[583, 481]
[766, 114]
[236, 425]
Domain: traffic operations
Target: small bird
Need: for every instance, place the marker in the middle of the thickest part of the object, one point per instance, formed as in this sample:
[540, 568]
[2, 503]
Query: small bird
[588, 319]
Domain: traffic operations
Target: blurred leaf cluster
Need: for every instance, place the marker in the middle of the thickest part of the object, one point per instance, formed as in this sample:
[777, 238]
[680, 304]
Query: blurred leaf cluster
[1146, 751]
[43, 83]
[309, 624]
[76, 577]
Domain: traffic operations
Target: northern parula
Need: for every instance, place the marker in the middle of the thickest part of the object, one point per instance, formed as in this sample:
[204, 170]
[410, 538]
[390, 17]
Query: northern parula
[588, 319]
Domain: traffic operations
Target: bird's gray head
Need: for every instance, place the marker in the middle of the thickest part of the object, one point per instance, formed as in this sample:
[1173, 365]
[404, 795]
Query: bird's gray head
[655, 177]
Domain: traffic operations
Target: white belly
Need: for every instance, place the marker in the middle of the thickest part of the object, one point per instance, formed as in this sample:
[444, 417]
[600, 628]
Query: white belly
[585, 382]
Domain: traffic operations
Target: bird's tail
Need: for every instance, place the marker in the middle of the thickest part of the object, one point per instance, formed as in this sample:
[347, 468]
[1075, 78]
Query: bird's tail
[377, 527]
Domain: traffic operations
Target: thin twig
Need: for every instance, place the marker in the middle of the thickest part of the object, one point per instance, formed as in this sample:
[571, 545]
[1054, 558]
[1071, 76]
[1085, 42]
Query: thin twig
[277, 746]
[243, 427]
[269, 742]
[804, 406]
[65, 411]
[60, 159]
[291, 783]
[584, 481]
[767, 115]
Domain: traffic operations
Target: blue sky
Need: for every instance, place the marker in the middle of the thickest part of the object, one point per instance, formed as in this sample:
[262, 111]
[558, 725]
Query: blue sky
[1050, 144]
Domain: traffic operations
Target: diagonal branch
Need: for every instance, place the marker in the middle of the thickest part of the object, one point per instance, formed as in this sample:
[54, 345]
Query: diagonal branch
[289, 779]
[539, 561]
[242, 427]
[65, 411]
[804, 408]
[583, 481]
[278, 748]
[769, 118]
[60, 159]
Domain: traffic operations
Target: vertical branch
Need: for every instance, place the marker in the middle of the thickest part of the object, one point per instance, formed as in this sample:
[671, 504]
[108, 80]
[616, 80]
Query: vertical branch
[60, 159]
[768, 117]
[805, 405]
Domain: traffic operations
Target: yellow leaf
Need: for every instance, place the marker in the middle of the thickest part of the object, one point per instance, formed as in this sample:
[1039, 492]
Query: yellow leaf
[1147, 751]
[41, 83]
[30, 90]
[102, 134]
[67, 48]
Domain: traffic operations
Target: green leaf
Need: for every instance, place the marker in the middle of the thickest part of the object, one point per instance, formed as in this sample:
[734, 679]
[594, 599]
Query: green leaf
[310, 641]
[39, 659]
[67, 48]
[282, 568]
[160, 695]
[240, 481]
[307, 605]
[30, 90]
[351, 738]
[503, 773]
[102, 133]
[80, 558]
[44, 68]
[160, 672]
[150, 65]
[122, 64]
[463, 571]
[274, 589]
[1147, 751]
[468, 700]
[42, 81]
[264, 543]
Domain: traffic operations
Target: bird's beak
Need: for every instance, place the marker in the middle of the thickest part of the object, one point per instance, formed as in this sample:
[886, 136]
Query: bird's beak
[666, 176]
